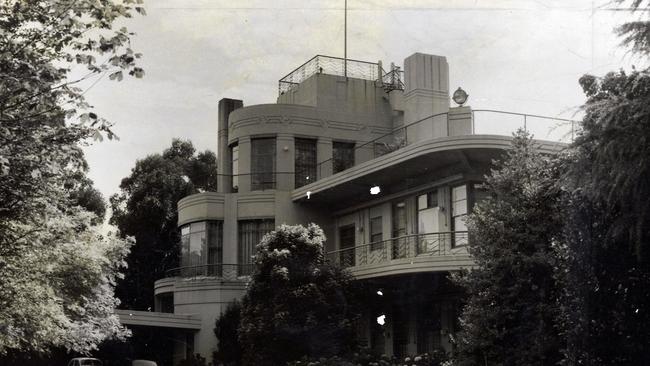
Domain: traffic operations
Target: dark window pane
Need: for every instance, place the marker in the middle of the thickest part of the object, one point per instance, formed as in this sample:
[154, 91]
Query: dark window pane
[347, 243]
[376, 233]
[342, 156]
[305, 162]
[400, 246]
[262, 164]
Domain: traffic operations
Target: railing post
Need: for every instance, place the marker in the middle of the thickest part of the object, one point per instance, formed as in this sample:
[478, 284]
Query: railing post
[525, 127]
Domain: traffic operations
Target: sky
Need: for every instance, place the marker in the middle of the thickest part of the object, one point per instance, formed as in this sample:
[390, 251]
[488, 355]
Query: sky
[519, 56]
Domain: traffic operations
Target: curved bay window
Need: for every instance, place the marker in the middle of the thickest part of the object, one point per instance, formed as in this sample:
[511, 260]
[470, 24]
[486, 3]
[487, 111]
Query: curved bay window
[202, 248]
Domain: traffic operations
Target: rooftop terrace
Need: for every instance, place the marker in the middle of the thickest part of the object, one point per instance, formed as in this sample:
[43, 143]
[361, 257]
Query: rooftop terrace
[320, 64]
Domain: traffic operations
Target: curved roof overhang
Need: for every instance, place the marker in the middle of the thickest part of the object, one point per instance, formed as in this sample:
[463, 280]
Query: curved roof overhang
[410, 166]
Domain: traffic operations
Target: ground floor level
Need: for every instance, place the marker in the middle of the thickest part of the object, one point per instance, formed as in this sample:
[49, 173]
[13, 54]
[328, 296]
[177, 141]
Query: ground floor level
[411, 314]
[406, 314]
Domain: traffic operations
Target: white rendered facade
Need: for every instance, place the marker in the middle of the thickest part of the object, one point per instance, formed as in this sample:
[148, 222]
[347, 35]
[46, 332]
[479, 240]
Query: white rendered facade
[312, 157]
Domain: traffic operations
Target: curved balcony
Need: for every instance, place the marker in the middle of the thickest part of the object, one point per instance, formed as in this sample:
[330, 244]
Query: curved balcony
[222, 271]
[430, 252]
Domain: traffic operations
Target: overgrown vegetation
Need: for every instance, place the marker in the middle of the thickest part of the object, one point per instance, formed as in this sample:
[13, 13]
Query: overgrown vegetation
[511, 310]
[145, 209]
[58, 270]
[296, 303]
[229, 351]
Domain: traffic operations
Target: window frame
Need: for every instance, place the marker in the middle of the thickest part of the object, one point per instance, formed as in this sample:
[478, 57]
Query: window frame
[305, 161]
[339, 162]
[263, 177]
[378, 222]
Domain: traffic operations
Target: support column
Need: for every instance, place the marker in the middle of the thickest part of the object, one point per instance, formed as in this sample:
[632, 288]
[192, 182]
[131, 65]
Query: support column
[285, 162]
[364, 153]
[460, 121]
[230, 230]
[324, 154]
[224, 157]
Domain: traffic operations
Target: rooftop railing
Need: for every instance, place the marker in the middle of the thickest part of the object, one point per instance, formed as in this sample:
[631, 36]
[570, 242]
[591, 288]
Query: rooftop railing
[228, 272]
[329, 65]
[408, 246]
[485, 121]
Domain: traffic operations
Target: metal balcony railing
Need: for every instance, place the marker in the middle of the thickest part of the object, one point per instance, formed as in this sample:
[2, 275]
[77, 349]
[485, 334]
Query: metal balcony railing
[409, 246]
[329, 65]
[489, 121]
[228, 272]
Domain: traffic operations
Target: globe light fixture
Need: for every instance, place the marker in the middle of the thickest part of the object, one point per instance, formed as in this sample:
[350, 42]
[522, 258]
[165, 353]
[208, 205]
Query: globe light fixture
[460, 96]
[375, 190]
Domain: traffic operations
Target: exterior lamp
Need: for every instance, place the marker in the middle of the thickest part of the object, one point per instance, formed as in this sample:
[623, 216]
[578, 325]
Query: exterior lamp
[460, 96]
[308, 194]
[380, 293]
[381, 320]
[375, 190]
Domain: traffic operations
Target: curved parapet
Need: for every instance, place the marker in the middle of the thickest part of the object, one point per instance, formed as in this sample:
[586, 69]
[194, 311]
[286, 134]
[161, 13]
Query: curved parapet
[201, 207]
[293, 119]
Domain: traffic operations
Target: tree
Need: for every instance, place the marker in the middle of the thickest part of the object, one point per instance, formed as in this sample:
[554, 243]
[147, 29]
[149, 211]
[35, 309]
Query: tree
[85, 195]
[606, 266]
[296, 304]
[57, 270]
[511, 307]
[228, 352]
[636, 34]
[146, 210]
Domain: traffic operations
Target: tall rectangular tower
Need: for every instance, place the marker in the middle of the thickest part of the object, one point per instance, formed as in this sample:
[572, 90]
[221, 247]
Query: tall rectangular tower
[426, 94]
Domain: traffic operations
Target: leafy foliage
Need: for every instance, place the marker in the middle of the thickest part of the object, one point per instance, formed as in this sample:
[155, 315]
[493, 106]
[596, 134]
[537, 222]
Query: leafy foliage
[510, 312]
[296, 303]
[193, 360]
[57, 270]
[606, 257]
[146, 210]
[88, 197]
[636, 34]
[365, 358]
[229, 351]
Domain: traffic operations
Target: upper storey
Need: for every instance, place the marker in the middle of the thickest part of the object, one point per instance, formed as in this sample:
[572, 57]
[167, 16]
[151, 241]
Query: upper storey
[325, 122]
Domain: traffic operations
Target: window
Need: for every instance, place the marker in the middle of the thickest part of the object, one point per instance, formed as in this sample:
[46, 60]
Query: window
[250, 234]
[201, 248]
[215, 247]
[400, 245]
[376, 235]
[429, 241]
[342, 156]
[347, 243]
[480, 193]
[305, 162]
[234, 153]
[428, 200]
[459, 214]
[262, 164]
